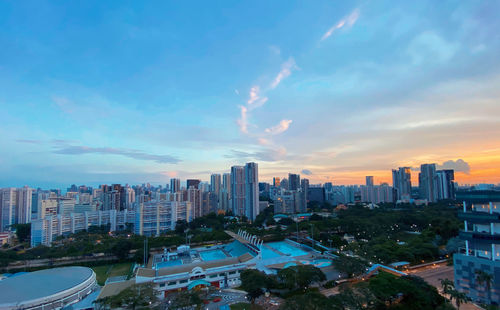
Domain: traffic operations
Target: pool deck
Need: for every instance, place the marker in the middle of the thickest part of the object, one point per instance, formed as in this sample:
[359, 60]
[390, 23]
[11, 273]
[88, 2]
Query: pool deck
[237, 237]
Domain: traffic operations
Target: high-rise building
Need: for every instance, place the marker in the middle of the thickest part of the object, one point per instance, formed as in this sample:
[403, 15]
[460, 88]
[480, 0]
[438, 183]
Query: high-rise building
[445, 183]
[293, 181]
[369, 180]
[328, 186]
[251, 190]
[401, 182]
[175, 185]
[304, 185]
[276, 182]
[238, 190]
[481, 255]
[24, 204]
[192, 182]
[8, 208]
[215, 183]
[427, 182]
[194, 197]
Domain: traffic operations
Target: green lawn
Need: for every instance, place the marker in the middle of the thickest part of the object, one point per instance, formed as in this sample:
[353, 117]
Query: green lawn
[245, 306]
[105, 271]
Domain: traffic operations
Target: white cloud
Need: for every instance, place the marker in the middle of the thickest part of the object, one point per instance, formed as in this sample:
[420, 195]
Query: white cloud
[281, 127]
[286, 70]
[347, 21]
[263, 141]
[242, 121]
[255, 100]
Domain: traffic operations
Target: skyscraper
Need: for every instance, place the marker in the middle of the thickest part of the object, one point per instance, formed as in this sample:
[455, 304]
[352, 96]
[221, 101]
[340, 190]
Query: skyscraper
[175, 185]
[293, 181]
[446, 186]
[24, 204]
[401, 182]
[215, 183]
[427, 182]
[369, 180]
[276, 182]
[192, 182]
[251, 190]
[8, 208]
[238, 190]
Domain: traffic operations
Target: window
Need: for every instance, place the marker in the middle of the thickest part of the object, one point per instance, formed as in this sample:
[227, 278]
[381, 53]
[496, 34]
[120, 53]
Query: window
[232, 272]
[183, 281]
[222, 274]
[162, 284]
[172, 283]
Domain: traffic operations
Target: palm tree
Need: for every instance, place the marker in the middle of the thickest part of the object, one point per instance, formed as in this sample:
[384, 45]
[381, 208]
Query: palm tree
[447, 285]
[483, 277]
[460, 298]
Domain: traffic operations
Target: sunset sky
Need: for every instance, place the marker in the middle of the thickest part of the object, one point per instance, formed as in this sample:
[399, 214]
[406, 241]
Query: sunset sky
[95, 92]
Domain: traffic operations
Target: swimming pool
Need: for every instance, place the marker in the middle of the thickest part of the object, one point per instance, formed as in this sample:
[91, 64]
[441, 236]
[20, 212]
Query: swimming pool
[169, 263]
[287, 248]
[268, 253]
[320, 263]
[212, 255]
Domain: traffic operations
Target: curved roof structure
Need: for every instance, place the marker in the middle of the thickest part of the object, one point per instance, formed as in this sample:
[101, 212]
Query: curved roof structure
[43, 286]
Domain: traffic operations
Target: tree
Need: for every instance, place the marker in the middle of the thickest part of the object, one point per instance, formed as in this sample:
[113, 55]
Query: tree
[485, 278]
[302, 277]
[310, 300]
[121, 249]
[23, 231]
[253, 282]
[183, 299]
[447, 285]
[137, 295]
[351, 266]
[460, 298]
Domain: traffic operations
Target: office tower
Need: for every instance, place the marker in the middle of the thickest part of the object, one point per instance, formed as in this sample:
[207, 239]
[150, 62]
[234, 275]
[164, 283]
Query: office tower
[293, 181]
[8, 208]
[276, 182]
[215, 183]
[304, 185]
[316, 193]
[401, 182]
[225, 194]
[24, 204]
[251, 190]
[369, 180]
[192, 182]
[446, 186]
[328, 186]
[175, 185]
[284, 183]
[238, 190]
[35, 204]
[481, 255]
[427, 182]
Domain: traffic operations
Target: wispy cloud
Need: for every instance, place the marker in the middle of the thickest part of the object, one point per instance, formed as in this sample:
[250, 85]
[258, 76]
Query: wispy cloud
[286, 70]
[243, 120]
[130, 153]
[347, 22]
[281, 127]
[255, 100]
[306, 172]
[268, 154]
[29, 141]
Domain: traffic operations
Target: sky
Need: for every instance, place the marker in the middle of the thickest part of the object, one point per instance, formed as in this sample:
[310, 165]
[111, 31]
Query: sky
[95, 92]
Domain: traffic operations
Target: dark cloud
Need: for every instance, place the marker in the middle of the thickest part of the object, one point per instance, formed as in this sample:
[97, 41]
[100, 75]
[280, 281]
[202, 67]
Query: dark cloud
[134, 154]
[459, 165]
[306, 172]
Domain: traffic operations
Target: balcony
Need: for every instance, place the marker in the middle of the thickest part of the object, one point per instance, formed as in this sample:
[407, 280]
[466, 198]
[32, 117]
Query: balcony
[479, 217]
[479, 236]
[479, 254]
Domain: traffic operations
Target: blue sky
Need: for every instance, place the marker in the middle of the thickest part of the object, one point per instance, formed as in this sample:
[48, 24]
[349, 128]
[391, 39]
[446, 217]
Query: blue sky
[114, 91]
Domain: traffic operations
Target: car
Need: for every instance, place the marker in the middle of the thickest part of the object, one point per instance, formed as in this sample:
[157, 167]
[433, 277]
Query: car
[206, 302]
[216, 299]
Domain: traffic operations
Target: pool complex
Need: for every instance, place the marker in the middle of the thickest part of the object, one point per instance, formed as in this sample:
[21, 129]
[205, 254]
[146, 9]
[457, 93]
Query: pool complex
[212, 255]
[236, 249]
[169, 263]
[287, 248]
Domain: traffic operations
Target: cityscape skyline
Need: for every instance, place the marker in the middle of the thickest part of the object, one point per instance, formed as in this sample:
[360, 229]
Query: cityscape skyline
[100, 93]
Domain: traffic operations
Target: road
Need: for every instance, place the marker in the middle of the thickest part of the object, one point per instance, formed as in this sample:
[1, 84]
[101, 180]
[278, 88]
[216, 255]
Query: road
[228, 297]
[433, 274]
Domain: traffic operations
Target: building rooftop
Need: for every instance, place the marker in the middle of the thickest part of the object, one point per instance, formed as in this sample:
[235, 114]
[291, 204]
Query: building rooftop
[40, 284]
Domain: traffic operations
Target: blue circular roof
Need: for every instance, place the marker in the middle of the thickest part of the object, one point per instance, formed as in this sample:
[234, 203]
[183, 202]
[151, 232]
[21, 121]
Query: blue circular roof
[42, 283]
